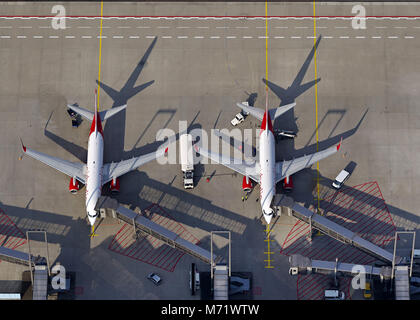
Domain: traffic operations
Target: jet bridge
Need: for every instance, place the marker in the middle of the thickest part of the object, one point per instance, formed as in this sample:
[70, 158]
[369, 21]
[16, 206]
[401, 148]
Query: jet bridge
[38, 264]
[15, 256]
[111, 206]
[333, 229]
[301, 264]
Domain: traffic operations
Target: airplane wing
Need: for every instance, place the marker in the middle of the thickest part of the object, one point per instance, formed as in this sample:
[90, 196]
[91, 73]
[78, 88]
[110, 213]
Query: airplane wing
[241, 146]
[259, 113]
[287, 168]
[117, 169]
[89, 114]
[72, 169]
[250, 170]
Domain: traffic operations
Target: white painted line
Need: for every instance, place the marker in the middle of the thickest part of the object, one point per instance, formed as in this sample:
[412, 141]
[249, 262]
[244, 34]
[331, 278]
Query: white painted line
[182, 37]
[5, 37]
[70, 37]
[86, 37]
[260, 27]
[198, 37]
[278, 37]
[250, 18]
[25, 27]
[123, 27]
[263, 37]
[321, 27]
[150, 37]
[328, 37]
[301, 27]
[241, 27]
[246, 37]
[117, 37]
[143, 27]
[182, 27]
[7, 27]
[203, 27]
[360, 37]
[400, 27]
[167, 37]
[294, 37]
[341, 27]
[375, 37]
[104, 27]
[222, 27]
[392, 37]
[231, 37]
[311, 37]
[134, 37]
[21, 37]
[381, 27]
[344, 37]
[38, 37]
[282, 27]
[215, 37]
[53, 37]
[44, 27]
[161, 27]
[409, 37]
[101, 37]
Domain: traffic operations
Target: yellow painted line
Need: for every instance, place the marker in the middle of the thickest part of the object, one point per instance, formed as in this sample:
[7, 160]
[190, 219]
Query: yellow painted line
[316, 104]
[100, 53]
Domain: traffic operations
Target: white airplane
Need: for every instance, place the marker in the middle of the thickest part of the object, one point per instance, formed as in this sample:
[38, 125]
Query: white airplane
[265, 170]
[94, 174]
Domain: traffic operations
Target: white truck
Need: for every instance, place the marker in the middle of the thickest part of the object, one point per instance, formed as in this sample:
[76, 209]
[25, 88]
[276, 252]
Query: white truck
[240, 117]
[187, 160]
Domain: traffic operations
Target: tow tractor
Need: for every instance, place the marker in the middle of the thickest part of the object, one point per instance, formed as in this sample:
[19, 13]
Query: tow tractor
[240, 117]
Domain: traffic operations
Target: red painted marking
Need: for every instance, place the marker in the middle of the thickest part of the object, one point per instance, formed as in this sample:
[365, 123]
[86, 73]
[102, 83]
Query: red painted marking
[151, 250]
[200, 16]
[367, 208]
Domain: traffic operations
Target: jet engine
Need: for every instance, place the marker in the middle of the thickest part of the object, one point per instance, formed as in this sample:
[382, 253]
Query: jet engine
[288, 184]
[74, 185]
[115, 185]
[247, 184]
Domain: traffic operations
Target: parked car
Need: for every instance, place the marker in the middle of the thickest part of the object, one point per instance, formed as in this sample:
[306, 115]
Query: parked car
[340, 179]
[238, 119]
[334, 295]
[155, 278]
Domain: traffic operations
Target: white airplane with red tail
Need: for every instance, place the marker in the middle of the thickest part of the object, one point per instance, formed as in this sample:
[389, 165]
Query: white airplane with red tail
[265, 170]
[94, 174]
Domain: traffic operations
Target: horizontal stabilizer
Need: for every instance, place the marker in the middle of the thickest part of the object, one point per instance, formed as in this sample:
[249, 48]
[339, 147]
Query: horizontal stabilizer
[277, 112]
[106, 114]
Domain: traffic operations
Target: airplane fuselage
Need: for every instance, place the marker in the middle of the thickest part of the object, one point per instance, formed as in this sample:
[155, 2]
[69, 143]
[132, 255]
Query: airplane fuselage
[94, 166]
[267, 171]
[94, 173]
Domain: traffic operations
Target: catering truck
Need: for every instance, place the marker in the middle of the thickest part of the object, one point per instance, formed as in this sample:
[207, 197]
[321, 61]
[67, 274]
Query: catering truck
[187, 160]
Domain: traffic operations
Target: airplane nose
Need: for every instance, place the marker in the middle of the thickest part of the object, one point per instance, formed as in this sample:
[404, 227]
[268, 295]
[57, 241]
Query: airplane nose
[92, 220]
[268, 218]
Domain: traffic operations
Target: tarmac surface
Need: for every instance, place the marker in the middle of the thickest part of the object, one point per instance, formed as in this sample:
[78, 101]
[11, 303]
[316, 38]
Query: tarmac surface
[201, 67]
